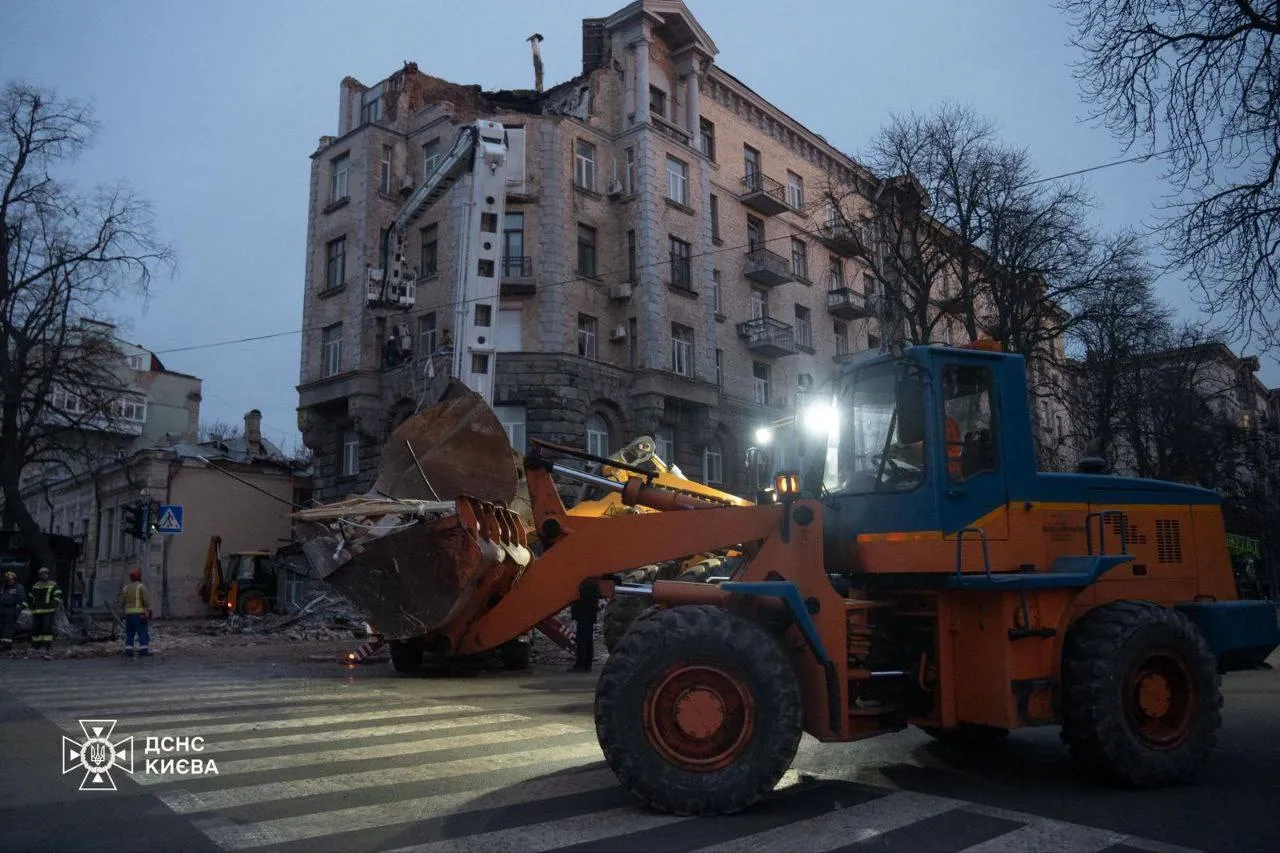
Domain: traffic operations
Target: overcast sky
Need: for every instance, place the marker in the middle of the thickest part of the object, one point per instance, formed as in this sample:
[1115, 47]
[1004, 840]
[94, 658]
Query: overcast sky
[211, 110]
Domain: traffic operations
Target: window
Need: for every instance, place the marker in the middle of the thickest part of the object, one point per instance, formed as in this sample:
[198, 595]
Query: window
[584, 165]
[597, 436]
[429, 254]
[657, 101]
[629, 174]
[631, 256]
[715, 218]
[513, 261]
[665, 441]
[804, 328]
[108, 531]
[350, 453]
[512, 419]
[868, 284]
[968, 409]
[879, 445]
[587, 336]
[136, 362]
[335, 264]
[130, 408]
[759, 304]
[707, 138]
[484, 316]
[427, 336]
[760, 380]
[873, 342]
[384, 170]
[799, 259]
[681, 350]
[338, 174]
[509, 336]
[751, 166]
[586, 251]
[835, 273]
[795, 190]
[842, 338]
[680, 268]
[430, 157]
[719, 368]
[715, 291]
[755, 234]
[713, 463]
[633, 345]
[480, 363]
[371, 108]
[331, 350]
[677, 181]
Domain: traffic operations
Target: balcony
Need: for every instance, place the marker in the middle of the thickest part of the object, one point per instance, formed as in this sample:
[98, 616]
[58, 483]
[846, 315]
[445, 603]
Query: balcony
[397, 292]
[762, 193]
[847, 305]
[768, 268]
[841, 238]
[768, 337]
[517, 277]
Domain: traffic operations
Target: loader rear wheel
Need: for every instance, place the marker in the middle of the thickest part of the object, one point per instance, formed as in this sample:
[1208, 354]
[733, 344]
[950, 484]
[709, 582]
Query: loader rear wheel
[698, 711]
[406, 657]
[1141, 695]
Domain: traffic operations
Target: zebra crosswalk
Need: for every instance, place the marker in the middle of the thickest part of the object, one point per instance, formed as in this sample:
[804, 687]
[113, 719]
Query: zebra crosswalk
[406, 765]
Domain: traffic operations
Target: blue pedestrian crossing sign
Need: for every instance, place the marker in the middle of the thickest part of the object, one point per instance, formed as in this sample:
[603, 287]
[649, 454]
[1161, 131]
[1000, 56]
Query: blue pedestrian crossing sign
[170, 519]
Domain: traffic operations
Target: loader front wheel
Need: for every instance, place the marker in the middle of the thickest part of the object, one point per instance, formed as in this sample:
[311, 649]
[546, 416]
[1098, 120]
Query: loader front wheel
[406, 656]
[1141, 695]
[698, 711]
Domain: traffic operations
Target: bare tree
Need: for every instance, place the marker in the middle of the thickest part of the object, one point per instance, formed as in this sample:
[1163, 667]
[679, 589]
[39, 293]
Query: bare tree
[220, 430]
[66, 254]
[1199, 81]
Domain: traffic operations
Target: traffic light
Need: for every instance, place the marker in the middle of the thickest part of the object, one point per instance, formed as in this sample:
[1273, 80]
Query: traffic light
[136, 520]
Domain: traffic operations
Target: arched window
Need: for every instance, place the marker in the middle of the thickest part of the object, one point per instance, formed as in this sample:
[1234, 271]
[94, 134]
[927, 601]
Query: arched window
[597, 435]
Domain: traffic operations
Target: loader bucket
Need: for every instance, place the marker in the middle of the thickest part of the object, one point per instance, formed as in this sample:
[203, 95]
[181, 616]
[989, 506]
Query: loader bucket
[427, 576]
[457, 446]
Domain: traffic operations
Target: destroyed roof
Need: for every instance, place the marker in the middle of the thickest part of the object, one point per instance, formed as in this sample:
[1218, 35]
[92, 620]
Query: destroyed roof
[231, 450]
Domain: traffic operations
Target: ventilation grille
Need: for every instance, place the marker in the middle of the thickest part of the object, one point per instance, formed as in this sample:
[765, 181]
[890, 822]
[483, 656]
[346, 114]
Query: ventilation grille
[1120, 525]
[1168, 541]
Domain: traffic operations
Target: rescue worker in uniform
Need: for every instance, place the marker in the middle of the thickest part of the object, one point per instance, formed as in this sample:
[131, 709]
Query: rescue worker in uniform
[584, 612]
[13, 598]
[45, 599]
[136, 604]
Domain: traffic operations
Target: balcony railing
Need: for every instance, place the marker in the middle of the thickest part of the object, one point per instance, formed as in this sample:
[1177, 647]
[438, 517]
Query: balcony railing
[847, 305]
[768, 267]
[517, 276]
[763, 193]
[768, 337]
[841, 238]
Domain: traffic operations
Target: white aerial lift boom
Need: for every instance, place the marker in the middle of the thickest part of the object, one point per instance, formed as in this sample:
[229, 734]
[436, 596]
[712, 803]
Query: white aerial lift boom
[480, 151]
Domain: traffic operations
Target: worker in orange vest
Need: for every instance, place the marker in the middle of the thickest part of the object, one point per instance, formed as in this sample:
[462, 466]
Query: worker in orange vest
[137, 612]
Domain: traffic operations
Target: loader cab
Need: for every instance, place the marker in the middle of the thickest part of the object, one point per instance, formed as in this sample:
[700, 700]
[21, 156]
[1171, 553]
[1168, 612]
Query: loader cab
[923, 443]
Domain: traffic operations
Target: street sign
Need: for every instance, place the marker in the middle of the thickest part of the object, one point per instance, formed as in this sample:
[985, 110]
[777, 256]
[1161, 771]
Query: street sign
[170, 519]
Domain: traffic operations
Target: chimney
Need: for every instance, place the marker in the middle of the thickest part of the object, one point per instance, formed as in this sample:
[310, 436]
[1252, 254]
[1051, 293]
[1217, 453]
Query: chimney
[253, 433]
[593, 37]
[536, 40]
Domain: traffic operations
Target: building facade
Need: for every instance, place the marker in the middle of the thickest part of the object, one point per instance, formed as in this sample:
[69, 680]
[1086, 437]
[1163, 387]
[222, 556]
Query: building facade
[669, 268]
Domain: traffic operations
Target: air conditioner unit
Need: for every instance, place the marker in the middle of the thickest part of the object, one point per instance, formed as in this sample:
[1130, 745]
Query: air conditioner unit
[620, 290]
[619, 333]
[615, 188]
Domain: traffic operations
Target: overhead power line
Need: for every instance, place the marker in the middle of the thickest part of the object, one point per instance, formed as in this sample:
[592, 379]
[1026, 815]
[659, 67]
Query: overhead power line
[1141, 158]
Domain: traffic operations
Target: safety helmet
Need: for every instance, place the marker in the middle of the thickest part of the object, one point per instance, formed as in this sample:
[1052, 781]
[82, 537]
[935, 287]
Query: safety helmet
[135, 575]
[43, 571]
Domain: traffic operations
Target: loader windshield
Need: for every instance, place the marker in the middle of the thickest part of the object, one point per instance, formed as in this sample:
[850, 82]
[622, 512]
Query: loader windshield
[880, 439]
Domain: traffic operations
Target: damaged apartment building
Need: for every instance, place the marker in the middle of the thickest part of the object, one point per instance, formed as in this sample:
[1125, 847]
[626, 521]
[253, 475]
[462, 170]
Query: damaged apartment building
[665, 269]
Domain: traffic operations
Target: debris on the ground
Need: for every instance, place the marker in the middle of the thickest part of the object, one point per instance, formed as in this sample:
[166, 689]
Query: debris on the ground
[543, 651]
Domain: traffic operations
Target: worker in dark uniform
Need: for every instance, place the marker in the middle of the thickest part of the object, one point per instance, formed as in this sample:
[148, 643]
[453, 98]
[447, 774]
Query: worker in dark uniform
[45, 600]
[13, 598]
[584, 612]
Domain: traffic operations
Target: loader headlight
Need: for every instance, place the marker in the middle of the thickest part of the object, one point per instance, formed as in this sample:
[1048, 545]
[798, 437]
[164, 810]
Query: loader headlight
[821, 417]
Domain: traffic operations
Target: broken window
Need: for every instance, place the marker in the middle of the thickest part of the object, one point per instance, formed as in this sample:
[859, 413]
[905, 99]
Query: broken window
[586, 251]
[335, 265]
[681, 275]
[584, 165]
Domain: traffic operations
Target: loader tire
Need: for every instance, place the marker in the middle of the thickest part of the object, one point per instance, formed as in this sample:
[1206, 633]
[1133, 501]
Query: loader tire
[1142, 698]
[253, 603]
[618, 616]
[698, 711]
[405, 657]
